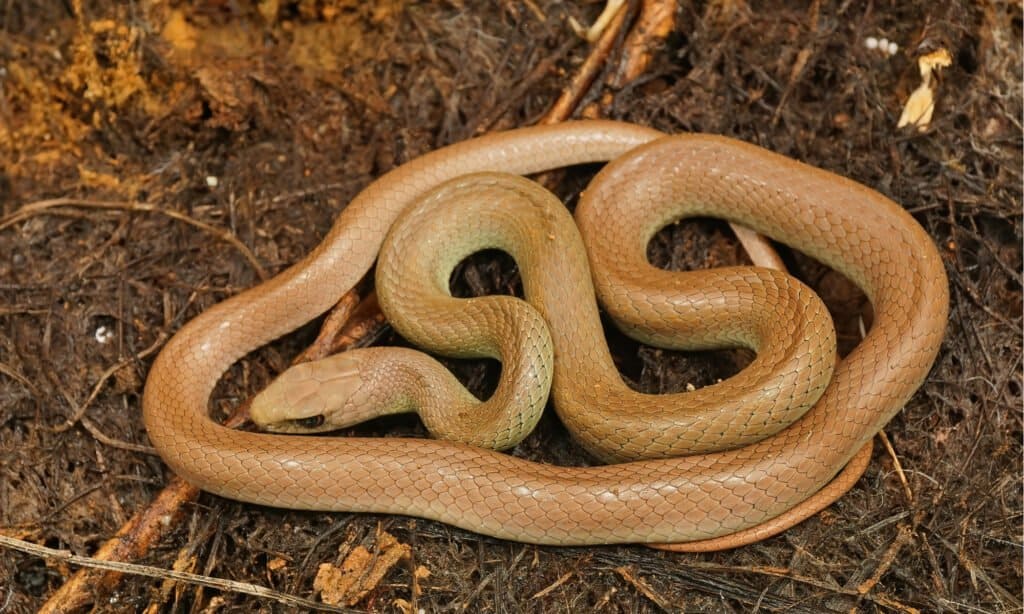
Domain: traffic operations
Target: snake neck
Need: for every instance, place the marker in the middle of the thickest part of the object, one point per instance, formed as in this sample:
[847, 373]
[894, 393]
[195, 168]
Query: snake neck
[402, 380]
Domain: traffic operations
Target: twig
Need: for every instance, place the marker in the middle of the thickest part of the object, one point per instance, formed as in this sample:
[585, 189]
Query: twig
[581, 82]
[80, 418]
[758, 247]
[51, 207]
[903, 537]
[559, 582]
[314, 191]
[788, 574]
[112, 442]
[539, 14]
[84, 407]
[775, 572]
[12, 373]
[656, 20]
[591, 34]
[117, 568]
[642, 585]
[976, 571]
[486, 121]
[329, 329]
[131, 542]
[898, 466]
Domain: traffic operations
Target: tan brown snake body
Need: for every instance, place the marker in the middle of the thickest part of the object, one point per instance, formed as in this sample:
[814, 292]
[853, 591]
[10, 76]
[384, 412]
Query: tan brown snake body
[843, 224]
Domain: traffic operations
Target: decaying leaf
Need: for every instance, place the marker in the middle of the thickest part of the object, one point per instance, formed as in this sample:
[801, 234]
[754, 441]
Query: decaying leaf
[360, 572]
[921, 103]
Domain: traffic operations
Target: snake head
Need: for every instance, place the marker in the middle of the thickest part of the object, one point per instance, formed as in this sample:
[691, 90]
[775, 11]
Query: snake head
[314, 397]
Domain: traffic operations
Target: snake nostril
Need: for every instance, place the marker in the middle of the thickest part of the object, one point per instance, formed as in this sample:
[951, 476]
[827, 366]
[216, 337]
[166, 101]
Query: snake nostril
[311, 422]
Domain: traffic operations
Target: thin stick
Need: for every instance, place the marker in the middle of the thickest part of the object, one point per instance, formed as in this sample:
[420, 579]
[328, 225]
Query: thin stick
[656, 20]
[117, 568]
[898, 466]
[581, 82]
[52, 207]
[84, 407]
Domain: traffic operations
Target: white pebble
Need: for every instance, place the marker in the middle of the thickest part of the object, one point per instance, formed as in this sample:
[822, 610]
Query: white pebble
[871, 42]
[893, 48]
[212, 181]
[104, 334]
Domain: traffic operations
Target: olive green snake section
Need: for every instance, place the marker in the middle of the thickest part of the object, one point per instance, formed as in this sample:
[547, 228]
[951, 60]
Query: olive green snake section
[843, 224]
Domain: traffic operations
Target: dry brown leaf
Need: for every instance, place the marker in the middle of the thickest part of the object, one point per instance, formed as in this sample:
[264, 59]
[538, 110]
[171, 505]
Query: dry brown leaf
[921, 104]
[360, 572]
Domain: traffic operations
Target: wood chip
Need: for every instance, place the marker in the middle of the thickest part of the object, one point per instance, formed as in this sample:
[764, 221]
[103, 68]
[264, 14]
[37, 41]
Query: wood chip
[360, 572]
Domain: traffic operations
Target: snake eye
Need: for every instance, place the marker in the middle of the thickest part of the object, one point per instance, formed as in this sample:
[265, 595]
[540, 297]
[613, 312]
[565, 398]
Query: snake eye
[311, 422]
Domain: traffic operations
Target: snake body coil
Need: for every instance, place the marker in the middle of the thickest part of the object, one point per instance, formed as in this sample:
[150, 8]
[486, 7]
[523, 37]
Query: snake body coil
[843, 224]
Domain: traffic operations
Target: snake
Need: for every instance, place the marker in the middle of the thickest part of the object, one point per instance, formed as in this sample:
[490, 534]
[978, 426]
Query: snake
[721, 496]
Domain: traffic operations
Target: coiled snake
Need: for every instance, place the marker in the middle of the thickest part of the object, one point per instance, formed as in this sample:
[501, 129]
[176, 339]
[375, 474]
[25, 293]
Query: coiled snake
[651, 182]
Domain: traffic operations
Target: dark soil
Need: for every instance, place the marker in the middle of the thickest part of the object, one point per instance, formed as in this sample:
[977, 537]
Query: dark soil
[264, 119]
